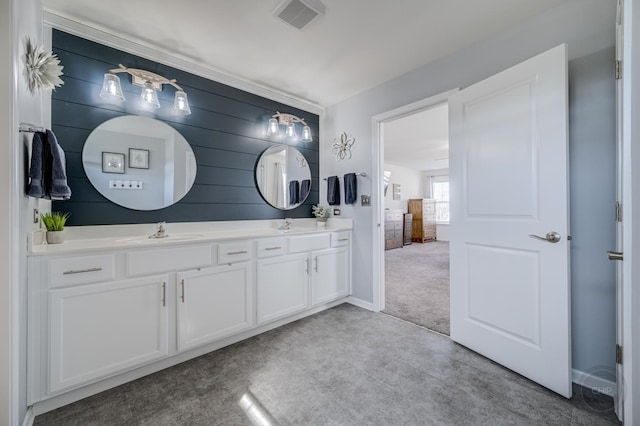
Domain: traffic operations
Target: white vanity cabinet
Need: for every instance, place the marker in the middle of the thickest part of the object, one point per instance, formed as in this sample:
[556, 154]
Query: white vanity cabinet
[101, 317]
[314, 274]
[97, 330]
[214, 303]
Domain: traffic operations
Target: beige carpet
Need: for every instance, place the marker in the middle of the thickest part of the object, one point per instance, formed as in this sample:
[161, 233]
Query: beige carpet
[417, 284]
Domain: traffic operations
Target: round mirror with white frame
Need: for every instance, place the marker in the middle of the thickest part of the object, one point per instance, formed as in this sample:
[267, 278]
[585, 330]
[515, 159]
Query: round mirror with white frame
[283, 177]
[139, 162]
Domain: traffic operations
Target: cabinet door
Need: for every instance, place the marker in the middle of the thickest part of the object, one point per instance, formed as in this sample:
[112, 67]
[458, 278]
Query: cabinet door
[331, 275]
[282, 286]
[100, 329]
[214, 303]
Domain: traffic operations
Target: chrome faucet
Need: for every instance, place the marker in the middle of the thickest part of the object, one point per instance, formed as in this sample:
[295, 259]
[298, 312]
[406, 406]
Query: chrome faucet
[160, 232]
[286, 224]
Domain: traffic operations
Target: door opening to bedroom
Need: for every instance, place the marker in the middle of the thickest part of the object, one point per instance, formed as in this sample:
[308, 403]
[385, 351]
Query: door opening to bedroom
[416, 217]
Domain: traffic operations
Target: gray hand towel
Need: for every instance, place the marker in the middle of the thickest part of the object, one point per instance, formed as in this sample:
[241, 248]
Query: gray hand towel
[57, 188]
[333, 191]
[350, 188]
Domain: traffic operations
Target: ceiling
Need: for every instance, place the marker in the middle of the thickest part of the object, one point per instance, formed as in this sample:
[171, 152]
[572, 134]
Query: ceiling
[419, 141]
[355, 45]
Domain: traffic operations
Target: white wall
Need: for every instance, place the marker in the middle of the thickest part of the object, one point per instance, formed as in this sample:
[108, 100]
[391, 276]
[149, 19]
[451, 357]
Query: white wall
[7, 93]
[25, 20]
[587, 26]
[411, 183]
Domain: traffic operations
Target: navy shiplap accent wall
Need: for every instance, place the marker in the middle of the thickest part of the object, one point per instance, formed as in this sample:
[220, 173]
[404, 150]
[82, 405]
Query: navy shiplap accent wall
[226, 131]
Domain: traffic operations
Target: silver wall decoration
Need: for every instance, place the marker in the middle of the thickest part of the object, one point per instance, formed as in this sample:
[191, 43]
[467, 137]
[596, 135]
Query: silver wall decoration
[342, 146]
[42, 69]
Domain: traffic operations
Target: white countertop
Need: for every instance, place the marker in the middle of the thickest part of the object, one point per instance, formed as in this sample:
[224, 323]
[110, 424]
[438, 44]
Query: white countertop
[105, 237]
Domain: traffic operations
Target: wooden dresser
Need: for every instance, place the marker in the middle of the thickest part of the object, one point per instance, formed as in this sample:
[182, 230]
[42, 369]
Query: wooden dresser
[393, 227]
[408, 226]
[424, 219]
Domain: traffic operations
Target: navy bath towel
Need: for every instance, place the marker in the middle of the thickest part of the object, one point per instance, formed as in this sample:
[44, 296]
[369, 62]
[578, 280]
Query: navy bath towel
[305, 187]
[350, 188]
[333, 191]
[294, 192]
[47, 171]
[39, 150]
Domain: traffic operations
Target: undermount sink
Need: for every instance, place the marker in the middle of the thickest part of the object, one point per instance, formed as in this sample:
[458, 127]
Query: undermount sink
[168, 238]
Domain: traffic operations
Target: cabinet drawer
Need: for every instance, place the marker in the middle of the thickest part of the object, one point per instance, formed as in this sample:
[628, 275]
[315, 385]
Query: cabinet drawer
[392, 216]
[77, 270]
[234, 252]
[309, 243]
[269, 247]
[165, 260]
[339, 239]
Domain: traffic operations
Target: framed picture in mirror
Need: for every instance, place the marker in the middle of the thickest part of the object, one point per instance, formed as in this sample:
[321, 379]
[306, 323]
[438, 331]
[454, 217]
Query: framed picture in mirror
[138, 158]
[112, 162]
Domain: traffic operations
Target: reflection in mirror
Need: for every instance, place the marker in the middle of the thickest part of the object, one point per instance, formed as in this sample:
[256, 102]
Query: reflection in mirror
[156, 166]
[283, 177]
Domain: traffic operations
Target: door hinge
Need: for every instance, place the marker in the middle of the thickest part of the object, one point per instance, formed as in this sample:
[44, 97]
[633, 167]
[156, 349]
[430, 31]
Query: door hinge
[618, 70]
[618, 354]
[618, 211]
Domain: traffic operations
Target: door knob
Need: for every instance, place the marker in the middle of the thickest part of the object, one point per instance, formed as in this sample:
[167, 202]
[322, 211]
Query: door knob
[551, 237]
[614, 255]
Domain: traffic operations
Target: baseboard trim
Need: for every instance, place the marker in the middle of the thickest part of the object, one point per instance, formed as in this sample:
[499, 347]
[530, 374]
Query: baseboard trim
[360, 303]
[589, 381]
[29, 417]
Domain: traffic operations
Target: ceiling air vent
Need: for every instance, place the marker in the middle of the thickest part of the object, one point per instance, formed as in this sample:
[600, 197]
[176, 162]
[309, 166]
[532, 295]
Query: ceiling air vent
[298, 13]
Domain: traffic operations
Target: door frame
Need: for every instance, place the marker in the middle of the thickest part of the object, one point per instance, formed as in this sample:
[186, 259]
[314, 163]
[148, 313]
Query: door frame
[377, 123]
[631, 212]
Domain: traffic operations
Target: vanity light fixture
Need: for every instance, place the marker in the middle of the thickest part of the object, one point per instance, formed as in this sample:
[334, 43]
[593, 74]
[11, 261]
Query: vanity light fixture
[150, 83]
[289, 121]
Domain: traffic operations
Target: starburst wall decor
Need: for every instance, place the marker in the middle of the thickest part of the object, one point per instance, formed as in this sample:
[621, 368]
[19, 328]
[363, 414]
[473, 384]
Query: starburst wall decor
[342, 147]
[42, 69]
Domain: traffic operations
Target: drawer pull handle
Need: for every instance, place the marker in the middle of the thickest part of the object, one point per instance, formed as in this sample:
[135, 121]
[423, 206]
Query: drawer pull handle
[164, 294]
[182, 295]
[81, 271]
[343, 239]
[273, 248]
[237, 252]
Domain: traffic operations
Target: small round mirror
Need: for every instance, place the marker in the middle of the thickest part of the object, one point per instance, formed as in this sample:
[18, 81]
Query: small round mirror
[139, 162]
[283, 177]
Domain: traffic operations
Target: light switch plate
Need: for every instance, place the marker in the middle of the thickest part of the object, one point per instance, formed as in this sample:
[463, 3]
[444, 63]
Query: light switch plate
[365, 200]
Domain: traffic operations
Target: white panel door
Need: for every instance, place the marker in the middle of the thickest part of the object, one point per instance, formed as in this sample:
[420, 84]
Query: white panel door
[101, 329]
[510, 295]
[214, 303]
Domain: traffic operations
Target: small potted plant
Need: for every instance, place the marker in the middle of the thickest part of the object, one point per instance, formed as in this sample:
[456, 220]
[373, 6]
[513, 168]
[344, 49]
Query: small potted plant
[321, 213]
[54, 222]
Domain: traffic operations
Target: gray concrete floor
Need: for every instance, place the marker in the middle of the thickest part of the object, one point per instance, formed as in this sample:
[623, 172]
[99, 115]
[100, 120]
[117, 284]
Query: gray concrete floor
[344, 366]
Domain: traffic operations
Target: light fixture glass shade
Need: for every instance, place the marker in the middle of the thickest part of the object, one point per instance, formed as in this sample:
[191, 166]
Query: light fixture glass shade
[149, 95]
[181, 103]
[306, 134]
[272, 128]
[111, 87]
[291, 130]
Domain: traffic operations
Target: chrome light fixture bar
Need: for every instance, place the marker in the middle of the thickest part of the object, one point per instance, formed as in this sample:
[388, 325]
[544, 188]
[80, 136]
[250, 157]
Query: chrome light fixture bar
[289, 121]
[150, 83]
